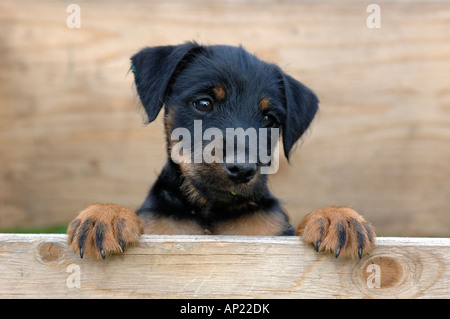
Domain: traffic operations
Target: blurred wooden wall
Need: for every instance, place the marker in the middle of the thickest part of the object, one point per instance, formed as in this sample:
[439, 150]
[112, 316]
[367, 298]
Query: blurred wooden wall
[72, 133]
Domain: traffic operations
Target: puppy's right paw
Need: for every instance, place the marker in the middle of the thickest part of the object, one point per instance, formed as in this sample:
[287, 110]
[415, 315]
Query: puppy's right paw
[103, 229]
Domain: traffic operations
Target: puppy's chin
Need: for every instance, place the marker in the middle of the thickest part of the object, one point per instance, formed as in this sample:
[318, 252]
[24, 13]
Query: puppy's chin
[211, 188]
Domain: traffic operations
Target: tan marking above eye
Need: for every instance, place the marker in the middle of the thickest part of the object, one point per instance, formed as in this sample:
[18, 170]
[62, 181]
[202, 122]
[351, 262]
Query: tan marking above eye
[264, 104]
[220, 92]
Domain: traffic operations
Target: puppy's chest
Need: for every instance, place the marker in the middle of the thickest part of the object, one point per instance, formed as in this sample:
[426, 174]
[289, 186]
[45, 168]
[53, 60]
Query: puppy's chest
[254, 224]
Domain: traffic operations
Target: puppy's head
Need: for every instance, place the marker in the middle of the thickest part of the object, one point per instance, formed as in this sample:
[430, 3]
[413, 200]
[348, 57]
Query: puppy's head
[224, 111]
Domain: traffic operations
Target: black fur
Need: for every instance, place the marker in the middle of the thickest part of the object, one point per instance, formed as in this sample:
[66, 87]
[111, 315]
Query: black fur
[176, 77]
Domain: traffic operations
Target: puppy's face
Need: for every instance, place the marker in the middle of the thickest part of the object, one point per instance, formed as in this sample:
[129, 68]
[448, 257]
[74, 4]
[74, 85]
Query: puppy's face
[219, 91]
[224, 111]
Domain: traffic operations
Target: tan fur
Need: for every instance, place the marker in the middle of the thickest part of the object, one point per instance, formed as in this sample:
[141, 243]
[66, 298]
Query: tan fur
[110, 216]
[220, 92]
[170, 226]
[169, 125]
[321, 225]
[264, 104]
[255, 224]
[169, 120]
[189, 171]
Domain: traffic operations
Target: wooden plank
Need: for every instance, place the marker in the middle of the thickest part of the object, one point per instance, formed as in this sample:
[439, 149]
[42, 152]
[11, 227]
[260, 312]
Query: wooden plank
[71, 132]
[40, 266]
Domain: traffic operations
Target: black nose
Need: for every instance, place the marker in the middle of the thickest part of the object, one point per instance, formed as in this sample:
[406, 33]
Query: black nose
[240, 173]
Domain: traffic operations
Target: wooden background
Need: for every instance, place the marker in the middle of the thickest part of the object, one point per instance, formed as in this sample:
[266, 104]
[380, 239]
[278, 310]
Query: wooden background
[72, 133]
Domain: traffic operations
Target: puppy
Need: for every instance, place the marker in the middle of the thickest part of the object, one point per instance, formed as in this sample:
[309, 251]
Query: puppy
[214, 181]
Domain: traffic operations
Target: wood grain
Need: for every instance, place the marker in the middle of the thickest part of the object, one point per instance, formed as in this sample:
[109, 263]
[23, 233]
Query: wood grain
[72, 134]
[41, 266]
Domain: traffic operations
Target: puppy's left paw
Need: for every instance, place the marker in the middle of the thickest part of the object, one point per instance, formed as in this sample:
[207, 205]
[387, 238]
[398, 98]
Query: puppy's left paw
[337, 229]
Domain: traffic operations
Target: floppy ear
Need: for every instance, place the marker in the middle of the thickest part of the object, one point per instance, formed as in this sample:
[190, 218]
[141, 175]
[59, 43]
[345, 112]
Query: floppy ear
[154, 68]
[301, 106]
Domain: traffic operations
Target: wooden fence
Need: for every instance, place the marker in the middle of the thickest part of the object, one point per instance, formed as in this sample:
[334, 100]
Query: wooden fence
[71, 132]
[41, 266]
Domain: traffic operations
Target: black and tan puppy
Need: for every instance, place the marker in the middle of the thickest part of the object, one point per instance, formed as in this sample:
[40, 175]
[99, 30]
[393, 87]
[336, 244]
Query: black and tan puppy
[221, 88]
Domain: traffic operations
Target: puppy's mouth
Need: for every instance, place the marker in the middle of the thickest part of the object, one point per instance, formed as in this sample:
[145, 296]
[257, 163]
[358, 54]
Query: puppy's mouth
[233, 193]
[225, 183]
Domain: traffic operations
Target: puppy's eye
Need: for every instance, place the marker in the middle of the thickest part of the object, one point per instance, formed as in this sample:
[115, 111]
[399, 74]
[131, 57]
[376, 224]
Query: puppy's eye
[203, 105]
[270, 121]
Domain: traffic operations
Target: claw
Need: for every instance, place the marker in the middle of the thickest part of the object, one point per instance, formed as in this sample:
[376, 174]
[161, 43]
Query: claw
[341, 229]
[102, 252]
[318, 245]
[81, 252]
[338, 251]
[360, 252]
[122, 245]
